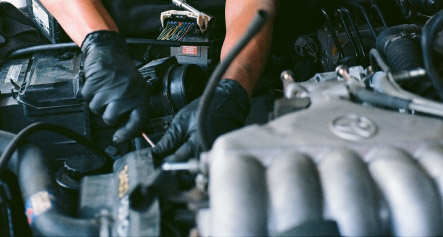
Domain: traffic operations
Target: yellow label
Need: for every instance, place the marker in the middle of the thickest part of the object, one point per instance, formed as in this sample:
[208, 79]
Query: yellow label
[123, 182]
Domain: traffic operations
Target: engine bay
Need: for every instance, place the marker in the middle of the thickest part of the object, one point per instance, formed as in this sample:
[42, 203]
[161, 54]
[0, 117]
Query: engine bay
[344, 137]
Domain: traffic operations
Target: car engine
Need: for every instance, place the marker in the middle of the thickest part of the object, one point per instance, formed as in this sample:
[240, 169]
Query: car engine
[345, 136]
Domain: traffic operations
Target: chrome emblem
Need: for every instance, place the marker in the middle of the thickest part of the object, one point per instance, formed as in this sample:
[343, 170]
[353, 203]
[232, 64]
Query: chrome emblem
[353, 127]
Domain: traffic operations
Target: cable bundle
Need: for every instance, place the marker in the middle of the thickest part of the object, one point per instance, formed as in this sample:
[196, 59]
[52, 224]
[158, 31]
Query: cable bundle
[176, 30]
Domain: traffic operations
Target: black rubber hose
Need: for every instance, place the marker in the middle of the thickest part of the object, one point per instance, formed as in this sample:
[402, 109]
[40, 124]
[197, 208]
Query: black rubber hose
[427, 7]
[400, 45]
[41, 48]
[33, 128]
[379, 99]
[130, 41]
[257, 23]
[433, 26]
[375, 55]
[36, 182]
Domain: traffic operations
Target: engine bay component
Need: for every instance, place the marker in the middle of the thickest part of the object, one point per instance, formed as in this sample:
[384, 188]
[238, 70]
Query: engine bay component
[172, 85]
[76, 167]
[176, 24]
[110, 193]
[431, 28]
[52, 82]
[411, 8]
[400, 45]
[190, 26]
[202, 18]
[12, 74]
[183, 28]
[335, 152]
[45, 216]
[46, 23]
[48, 215]
[346, 40]
[46, 90]
[356, 151]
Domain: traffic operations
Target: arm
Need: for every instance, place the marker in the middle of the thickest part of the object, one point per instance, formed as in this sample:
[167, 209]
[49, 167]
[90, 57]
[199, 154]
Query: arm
[249, 64]
[114, 88]
[230, 104]
[80, 17]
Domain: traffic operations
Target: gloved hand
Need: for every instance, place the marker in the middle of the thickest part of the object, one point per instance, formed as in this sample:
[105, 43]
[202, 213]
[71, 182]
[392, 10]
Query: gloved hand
[114, 88]
[227, 111]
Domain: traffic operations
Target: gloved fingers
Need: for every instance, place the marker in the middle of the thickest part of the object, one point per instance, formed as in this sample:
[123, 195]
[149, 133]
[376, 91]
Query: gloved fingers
[170, 141]
[98, 104]
[190, 149]
[185, 152]
[113, 113]
[87, 93]
[132, 126]
[170, 158]
[96, 80]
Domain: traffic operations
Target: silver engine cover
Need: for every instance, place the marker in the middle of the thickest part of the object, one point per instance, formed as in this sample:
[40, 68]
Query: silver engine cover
[373, 171]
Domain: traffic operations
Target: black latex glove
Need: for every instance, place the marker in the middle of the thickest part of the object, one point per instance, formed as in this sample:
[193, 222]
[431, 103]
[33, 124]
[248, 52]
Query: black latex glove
[228, 110]
[114, 87]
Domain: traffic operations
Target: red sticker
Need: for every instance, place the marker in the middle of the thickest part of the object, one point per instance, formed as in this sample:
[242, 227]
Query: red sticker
[190, 50]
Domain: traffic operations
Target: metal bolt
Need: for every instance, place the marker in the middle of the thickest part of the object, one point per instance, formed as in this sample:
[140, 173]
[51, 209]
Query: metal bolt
[191, 165]
[184, 5]
[343, 72]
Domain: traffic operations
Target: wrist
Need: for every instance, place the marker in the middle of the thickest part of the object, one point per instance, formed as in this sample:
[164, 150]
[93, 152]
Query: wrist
[102, 37]
[233, 90]
[242, 74]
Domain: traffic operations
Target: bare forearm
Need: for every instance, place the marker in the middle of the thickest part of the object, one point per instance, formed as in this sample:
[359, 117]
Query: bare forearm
[248, 66]
[80, 17]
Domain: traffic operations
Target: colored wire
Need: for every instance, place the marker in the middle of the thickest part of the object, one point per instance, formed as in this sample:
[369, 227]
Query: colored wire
[175, 30]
